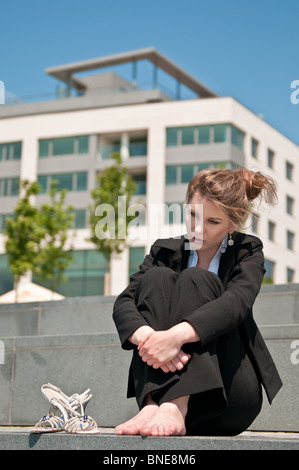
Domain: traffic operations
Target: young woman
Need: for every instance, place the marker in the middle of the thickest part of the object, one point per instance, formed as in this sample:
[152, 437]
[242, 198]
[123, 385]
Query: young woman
[198, 357]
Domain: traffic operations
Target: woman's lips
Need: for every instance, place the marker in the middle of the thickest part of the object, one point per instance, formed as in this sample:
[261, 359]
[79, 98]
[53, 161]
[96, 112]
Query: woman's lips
[196, 240]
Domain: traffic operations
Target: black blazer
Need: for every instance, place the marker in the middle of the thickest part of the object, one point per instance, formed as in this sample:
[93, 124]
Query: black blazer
[241, 271]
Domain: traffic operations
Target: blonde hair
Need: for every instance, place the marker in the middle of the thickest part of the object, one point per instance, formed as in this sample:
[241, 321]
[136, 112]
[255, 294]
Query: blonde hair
[233, 190]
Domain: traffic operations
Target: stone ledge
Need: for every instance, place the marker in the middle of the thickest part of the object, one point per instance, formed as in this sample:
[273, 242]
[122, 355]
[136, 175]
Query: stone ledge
[19, 438]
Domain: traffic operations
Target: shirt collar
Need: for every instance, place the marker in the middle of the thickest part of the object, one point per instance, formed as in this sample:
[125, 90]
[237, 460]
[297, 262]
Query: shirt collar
[215, 261]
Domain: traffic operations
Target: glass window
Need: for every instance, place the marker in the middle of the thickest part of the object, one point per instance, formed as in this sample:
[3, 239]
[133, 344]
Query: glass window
[171, 174]
[220, 133]
[63, 146]
[44, 148]
[9, 187]
[172, 137]
[14, 188]
[187, 173]
[83, 144]
[10, 151]
[290, 275]
[138, 147]
[290, 205]
[271, 230]
[3, 150]
[188, 135]
[136, 256]
[237, 137]
[85, 274]
[43, 182]
[16, 149]
[204, 135]
[270, 158]
[6, 276]
[290, 240]
[174, 213]
[289, 171]
[64, 181]
[79, 218]
[81, 182]
[254, 148]
[269, 275]
[3, 218]
[255, 223]
[140, 181]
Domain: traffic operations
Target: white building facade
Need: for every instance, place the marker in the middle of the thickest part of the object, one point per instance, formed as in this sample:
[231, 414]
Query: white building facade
[163, 142]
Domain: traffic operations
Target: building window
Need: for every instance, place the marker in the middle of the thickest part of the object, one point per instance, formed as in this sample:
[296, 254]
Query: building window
[290, 240]
[214, 133]
[181, 174]
[10, 151]
[84, 275]
[171, 174]
[237, 137]
[174, 213]
[79, 218]
[140, 181]
[188, 135]
[254, 148]
[289, 171]
[204, 135]
[63, 146]
[290, 205]
[138, 147]
[69, 181]
[271, 230]
[136, 256]
[9, 187]
[187, 173]
[270, 158]
[269, 274]
[290, 275]
[172, 137]
[254, 223]
[220, 133]
[6, 276]
[3, 218]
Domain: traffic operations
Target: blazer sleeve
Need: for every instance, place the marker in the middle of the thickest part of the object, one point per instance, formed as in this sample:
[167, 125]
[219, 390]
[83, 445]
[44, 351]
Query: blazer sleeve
[125, 313]
[228, 311]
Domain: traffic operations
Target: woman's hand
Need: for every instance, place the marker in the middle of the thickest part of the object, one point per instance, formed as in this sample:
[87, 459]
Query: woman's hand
[163, 348]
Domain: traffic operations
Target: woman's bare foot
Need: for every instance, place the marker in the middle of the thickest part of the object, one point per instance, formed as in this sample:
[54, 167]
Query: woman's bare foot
[168, 420]
[133, 426]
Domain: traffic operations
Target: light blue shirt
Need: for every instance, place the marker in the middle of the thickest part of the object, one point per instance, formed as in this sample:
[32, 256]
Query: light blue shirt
[214, 264]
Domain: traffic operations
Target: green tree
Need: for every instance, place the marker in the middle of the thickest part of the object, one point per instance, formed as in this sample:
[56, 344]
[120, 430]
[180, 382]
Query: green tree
[108, 214]
[24, 234]
[36, 237]
[56, 220]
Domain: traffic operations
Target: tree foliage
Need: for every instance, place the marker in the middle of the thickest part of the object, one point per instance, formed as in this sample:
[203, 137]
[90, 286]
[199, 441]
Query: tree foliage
[36, 237]
[108, 215]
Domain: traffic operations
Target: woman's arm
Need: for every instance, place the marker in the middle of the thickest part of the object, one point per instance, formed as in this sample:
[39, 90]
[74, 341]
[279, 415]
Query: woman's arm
[163, 348]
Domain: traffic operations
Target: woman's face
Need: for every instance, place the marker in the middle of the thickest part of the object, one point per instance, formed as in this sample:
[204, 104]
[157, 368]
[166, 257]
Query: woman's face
[207, 225]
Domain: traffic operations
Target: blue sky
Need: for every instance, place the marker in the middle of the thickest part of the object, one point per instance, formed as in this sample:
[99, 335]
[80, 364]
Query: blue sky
[248, 50]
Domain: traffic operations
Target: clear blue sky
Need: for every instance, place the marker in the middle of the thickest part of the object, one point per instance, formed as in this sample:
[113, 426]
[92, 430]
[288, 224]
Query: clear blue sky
[248, 50]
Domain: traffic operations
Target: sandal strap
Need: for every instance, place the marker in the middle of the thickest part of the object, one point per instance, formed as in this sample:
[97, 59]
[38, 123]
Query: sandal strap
[80, 424]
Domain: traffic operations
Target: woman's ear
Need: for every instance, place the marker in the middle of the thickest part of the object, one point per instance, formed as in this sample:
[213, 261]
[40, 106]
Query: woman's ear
[232, 228]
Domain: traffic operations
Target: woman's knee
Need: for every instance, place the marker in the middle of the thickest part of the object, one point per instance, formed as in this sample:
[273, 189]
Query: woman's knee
[156, 278]
[201, 277]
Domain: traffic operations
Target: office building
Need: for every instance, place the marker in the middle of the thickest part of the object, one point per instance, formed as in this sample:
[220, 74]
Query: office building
[166, 130]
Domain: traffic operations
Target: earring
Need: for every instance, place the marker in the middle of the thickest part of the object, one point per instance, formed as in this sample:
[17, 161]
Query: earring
[230, 241]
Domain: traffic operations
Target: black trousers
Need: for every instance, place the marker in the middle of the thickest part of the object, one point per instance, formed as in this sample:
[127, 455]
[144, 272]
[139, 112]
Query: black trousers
[225, 394]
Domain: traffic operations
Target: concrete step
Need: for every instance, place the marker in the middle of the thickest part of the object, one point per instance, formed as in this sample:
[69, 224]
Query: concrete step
[275, 305]
[141, 448]
[96, 361]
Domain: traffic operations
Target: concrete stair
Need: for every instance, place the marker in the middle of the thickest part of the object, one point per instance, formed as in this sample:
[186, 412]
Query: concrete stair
[73, 344]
